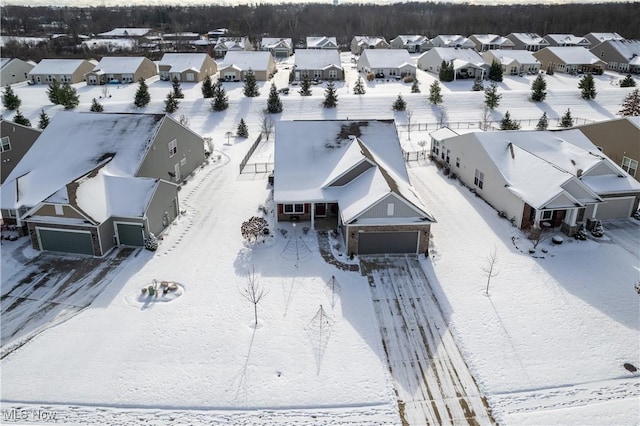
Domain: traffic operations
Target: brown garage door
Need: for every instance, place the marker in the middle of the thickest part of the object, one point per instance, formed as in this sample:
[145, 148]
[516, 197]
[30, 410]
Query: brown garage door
[387, 242]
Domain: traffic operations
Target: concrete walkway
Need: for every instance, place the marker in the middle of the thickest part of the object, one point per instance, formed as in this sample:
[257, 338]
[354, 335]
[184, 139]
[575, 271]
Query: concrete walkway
[431, 379]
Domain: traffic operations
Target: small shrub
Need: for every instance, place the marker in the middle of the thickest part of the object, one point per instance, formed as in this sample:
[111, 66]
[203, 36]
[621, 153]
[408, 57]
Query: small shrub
[371, 76]
[408, 79]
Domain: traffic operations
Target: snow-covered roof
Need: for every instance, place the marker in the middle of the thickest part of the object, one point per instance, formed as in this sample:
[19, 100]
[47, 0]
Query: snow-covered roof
[231, 43]
[311, 157]
[275, 42]
[113, 43]
[413, 39]
[463, 56]
[605, 36]
[494, 39]
[316, 59]
[180, 62]
[57, 66]
[369, 40]
[119, 64]
[509, 56]
[126, 32]
[569, 39]
[572, 55]
[629, 49]
[4, 62]
[245, 60]
[530, 39]
[387, 58]
[443, 133]
[451, 40]
[321, 42]
[72, 145]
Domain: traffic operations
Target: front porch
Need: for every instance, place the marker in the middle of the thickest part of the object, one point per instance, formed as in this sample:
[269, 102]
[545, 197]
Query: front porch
[567, 219]
[322, 216]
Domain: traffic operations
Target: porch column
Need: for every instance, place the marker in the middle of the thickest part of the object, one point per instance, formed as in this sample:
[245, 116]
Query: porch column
[313, 215]
[536, 219]
[595, 209]
[571, 217]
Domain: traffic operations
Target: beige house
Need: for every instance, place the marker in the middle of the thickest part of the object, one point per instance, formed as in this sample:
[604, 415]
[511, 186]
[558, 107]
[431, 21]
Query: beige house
[453, 41]
[527, 41]
[361, 43]
[319, 64]
[619, 139]
[231, 44]
[569, 60]
[514, 62]
[14, 70]
[566, 40]
[186, 67]
[62, 70]
[414, 43]
[236, 65]
[115, 69]
[484, 42]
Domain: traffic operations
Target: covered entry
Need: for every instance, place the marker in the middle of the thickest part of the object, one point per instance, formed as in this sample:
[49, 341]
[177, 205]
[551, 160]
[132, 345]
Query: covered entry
[388, 242]
[130, 234]
[65, 241]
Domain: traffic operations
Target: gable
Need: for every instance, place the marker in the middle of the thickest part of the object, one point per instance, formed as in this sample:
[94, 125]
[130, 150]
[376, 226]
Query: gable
[388, 207]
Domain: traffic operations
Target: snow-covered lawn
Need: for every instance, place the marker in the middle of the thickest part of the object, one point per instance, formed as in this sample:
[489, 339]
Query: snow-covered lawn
[547, 346]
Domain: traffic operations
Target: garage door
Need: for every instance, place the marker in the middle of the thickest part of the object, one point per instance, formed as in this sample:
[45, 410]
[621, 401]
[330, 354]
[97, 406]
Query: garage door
[387, 242]
[615, 208]
[130, 235]
[65, 241]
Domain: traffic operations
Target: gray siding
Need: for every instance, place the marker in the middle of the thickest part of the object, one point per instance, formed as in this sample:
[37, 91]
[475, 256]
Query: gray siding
[21, 139]
[379, 210]
[161, 202]
[352, 174]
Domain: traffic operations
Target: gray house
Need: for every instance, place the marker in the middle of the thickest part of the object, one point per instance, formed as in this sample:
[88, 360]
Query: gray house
[81, 190]
[620, 55]
[15, 141]
[14, 70]
[321, 64]
[387, 63]
[357, 183]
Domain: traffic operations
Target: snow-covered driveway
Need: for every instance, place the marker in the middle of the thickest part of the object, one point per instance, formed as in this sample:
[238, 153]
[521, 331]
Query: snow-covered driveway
[431, 379]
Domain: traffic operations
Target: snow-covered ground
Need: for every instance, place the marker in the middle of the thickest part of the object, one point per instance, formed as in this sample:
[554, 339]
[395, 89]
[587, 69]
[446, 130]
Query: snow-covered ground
[547, 346]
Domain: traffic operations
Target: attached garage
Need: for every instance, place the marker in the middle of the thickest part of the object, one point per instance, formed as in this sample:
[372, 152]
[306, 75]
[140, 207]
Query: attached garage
[130, 234]
[615, 208]
[65, 241]
[388, 242]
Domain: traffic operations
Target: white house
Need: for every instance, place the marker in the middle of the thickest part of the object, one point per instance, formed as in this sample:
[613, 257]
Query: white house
[279, 47]
[322, 43]
[14, 70]
[386, 63]
[514, 62]
[452, 40]
[467, 63]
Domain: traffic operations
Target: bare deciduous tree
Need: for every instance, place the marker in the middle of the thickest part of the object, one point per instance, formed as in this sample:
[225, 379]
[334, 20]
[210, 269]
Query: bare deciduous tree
[485, 118]
[489, 268]
[266, 123]
[253, 292]
[409, 113]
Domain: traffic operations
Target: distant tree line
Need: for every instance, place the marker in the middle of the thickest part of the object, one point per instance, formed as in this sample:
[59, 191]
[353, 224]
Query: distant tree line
[344, 21]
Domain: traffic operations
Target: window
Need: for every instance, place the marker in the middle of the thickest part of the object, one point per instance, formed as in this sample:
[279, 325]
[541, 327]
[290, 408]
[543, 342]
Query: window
[546, 215]
[448, 154]
[333, 74]
[628, 165]
[183, 162]
[457, 161]
[390, 209]
[173, 148]
[5, 144]
[293, 208]
[435, 146]
[59, 209]
[191, 76]
[479, 179]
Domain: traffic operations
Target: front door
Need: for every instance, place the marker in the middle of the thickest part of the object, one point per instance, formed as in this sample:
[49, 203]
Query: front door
[321, 210]
[177, 171]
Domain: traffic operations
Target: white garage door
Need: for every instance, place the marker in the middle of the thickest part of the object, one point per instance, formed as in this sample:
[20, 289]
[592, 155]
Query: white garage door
[615, 208]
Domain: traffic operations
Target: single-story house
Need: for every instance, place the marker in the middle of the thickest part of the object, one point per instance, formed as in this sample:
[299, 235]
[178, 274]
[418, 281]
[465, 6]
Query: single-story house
[620, 55]
[231, 44]
[452, 40]
[484, 42]
[387, 63]
[414, 43]
[322, 43]
[186, 67]
[321, 64]
[81, 190]
[467, 63]
[279, 47]
[15, 141]
[619, 139]
[361, 43]
[528, 41]
[236, 65]
[62, 70]
[541, 178]
[569, 60]
[514, 62]
[14, 70]
[121, 69]
[597, 38]
[349, 176]
[566, 40]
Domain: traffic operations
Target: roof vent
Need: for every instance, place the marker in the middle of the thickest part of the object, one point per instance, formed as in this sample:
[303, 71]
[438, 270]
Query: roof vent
[513, 156]
[579, 172]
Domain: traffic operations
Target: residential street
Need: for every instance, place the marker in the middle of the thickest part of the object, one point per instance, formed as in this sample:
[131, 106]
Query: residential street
[431, 379]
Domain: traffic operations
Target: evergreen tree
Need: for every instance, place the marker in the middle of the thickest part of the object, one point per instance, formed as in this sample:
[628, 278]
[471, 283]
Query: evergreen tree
[543, 123]
[250, 85]
[177, 90]
[566, 120]
[477, 85]
[628, 81]
[359, 89]
[21, 119]
[587, 87]
[508, 124]
[142, 94]
[96, 106]
[53, 91]
[435, 96]
[220, 100]
[44, 120]
[491, 96]
[171, 103]
[243, 130]
[446, 72]
[68, 97]
[274, 103]
[539, 89]
[399, 104]
[495, 71]
[207, 87]
[10, 100]
[631, 105]
[330, 96]
[305, 86]
[415, 87]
